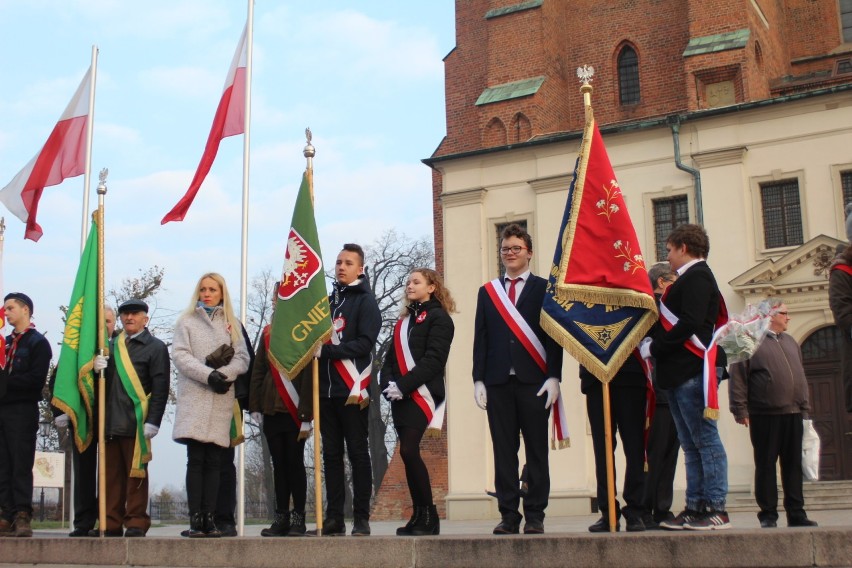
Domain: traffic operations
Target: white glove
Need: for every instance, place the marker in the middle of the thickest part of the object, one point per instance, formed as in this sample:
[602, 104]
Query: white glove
[645, 348]
[151, 431]
[480, 397]
[392, 391]
[62, 421]
[257, 418]
[551, 387]
[100, 363]
[318, 351]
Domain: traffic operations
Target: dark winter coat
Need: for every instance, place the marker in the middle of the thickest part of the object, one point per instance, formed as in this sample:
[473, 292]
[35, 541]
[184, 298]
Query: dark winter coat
[26, 375]
[430, 334]
[840, 301]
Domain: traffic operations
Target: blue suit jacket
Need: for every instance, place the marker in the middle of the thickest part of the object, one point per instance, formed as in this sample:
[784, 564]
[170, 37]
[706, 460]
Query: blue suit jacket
[495, 348]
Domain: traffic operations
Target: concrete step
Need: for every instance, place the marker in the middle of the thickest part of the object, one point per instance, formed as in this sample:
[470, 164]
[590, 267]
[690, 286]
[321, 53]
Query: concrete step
[819, 495]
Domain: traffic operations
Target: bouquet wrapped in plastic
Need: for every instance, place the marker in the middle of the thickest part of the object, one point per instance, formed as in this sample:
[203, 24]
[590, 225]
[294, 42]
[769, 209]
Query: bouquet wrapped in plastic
[742, 335]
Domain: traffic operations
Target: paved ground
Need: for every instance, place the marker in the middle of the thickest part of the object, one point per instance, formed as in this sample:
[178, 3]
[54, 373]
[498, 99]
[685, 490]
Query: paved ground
[553, 525]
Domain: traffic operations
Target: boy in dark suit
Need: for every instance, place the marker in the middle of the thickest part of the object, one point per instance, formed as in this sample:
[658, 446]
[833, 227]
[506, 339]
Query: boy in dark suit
[517, 368]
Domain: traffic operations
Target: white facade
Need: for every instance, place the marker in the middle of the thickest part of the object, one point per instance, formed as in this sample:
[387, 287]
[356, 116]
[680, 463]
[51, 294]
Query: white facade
[809, 139]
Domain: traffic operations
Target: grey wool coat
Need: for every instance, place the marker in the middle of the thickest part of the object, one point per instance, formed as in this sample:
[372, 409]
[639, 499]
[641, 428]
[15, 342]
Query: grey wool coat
[200, 413]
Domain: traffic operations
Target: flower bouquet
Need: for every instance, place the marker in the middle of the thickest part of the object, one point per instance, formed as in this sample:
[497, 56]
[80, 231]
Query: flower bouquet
[741, 336]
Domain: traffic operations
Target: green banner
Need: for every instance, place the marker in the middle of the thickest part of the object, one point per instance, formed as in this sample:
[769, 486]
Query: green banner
[301, 318]
[74, 390]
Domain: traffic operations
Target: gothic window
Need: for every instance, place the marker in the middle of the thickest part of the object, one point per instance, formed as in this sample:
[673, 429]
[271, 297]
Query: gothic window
[668, 214]
[782, 213]
[628, 76]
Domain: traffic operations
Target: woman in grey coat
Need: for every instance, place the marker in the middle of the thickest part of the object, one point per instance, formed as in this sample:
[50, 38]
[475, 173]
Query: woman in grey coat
[209, 353]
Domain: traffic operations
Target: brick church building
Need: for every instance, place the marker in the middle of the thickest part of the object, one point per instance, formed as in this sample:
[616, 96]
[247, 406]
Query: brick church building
[735, 114]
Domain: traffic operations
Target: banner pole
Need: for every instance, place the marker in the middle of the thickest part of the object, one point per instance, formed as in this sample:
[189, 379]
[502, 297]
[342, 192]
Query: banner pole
[87, 171]
[102, 494]
[610, 473]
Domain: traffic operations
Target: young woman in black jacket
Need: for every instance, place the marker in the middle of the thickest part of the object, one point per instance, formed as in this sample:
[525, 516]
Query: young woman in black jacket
[412, 379]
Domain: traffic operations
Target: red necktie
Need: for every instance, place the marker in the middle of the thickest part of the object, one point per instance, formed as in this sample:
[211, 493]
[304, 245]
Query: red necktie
[512, 283]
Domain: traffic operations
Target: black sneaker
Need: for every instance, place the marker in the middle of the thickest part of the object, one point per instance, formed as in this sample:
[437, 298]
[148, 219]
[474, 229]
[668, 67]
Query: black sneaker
[361, 527]
[709, 521]
[602, 525]
[677, 523]
[334, 527]
[634, 524]
[801, 522]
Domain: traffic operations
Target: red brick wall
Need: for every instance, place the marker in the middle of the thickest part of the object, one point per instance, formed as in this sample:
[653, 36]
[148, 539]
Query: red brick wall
[556, 38]
[393, 500]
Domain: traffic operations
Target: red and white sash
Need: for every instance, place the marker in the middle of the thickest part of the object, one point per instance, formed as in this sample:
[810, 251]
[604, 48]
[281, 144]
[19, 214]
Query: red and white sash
[708, 354]
[650, 399]
[422, 396]
[357, 381]
[289, 395]
[527, 337]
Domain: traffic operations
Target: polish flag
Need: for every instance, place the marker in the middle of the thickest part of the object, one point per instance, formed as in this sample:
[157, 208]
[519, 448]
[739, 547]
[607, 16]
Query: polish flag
[229, 120]
[63, 156]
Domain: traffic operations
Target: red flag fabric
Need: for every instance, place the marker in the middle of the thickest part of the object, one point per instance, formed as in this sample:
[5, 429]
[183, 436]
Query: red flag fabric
[228, 121]
[62, 156]
[599, 302]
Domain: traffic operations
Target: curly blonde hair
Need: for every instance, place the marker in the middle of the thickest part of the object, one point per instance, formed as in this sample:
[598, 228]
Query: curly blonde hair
[441, 293]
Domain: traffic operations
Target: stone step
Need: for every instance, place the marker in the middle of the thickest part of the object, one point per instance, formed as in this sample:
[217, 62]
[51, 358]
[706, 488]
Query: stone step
[819, 495]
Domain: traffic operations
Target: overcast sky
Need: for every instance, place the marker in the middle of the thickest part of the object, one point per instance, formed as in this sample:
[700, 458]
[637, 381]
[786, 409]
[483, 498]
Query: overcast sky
[366, 77]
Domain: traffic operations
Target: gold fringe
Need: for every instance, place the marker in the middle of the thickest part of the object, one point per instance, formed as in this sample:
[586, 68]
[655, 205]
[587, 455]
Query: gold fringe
[647, 425]
[711, 413]
[364, 403]
[646, 466]
[352, 400]
[432, 433]
[138, 473]
[237, 441]
[303, 435]
[596, 295]
[560, 444]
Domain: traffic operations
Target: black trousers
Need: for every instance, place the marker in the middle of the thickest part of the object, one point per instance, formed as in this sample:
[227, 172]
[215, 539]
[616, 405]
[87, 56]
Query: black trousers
[410, 424]
[777, 437]
[85, 467]
[18, 430]
[627, 414]
[663, 448]
[340, 424]
[202, 476]
[288, 466]
[226, 500]
[514, 410]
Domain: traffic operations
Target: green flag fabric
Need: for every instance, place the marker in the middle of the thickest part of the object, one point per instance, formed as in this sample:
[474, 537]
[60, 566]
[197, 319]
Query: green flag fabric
[301, 320]
[74, 390]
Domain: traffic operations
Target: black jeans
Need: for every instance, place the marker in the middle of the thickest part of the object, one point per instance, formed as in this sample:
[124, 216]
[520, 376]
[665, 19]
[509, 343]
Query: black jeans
[85, 466]
[663, 448]
[345, 423]
[202, 476]
[514, 410]
[627, 416]
[777, 437]
[18, 431]
[288, 463]
[226, 500]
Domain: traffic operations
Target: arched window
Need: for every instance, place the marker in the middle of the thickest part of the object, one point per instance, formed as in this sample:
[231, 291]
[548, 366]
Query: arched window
[628, 76]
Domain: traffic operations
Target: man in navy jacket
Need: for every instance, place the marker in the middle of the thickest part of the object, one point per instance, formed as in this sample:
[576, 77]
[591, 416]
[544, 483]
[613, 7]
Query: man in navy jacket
[517, 368]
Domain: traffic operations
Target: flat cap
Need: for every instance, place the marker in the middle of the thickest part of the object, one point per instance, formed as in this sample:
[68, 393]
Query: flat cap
[133, 305]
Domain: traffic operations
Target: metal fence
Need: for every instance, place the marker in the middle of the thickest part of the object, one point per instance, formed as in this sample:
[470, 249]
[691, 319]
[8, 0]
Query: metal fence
[178, 511]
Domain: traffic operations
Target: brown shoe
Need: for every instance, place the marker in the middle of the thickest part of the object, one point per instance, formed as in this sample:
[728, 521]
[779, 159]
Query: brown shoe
[6, 528]
[22, 524]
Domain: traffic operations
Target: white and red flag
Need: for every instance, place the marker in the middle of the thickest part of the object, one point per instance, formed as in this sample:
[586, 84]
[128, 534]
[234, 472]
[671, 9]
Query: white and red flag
[229, 121]
[63, 156]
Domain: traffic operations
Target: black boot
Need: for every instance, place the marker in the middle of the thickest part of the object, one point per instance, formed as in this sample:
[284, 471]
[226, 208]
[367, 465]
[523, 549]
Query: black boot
[210, 530]
[416, 513]
[280, 526]
[196, 526]
[297, 523]
[428, 523]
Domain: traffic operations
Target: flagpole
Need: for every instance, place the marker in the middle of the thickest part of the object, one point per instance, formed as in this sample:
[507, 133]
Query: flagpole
[241, 455]
[90, 126]
[585, 73]
[309, 153]
[102, 189]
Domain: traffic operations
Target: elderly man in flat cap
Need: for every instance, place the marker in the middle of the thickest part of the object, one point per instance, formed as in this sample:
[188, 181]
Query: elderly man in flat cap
[27, 363]
[137, 388]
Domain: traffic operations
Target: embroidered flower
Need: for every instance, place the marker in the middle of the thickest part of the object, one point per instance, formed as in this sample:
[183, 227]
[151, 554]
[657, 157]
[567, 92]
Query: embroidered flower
[632, 262]
[608, 206]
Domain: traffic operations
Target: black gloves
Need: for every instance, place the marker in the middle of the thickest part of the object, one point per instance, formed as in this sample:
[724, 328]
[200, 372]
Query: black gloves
[220, 357]
[218, 382]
